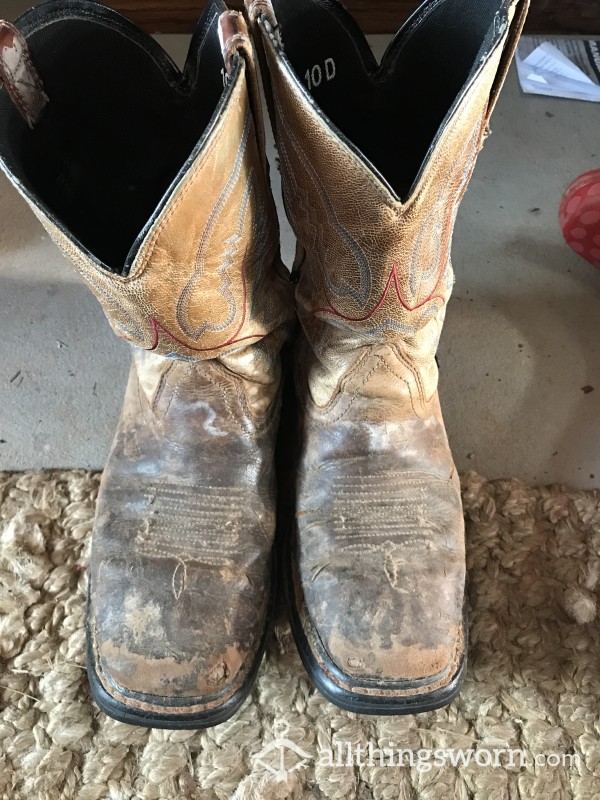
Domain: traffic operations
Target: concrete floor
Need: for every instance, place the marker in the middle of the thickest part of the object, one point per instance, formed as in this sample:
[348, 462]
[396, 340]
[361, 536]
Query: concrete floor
[520, 342]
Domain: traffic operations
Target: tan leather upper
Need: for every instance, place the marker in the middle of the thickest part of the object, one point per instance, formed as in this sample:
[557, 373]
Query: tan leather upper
[379, 557]
[205, 279]
[181, 555]
[180, 568]
[373, 269]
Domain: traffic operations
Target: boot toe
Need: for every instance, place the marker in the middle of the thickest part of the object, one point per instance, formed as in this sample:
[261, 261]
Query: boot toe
[398, 634]
[380, 586]
[178, 640]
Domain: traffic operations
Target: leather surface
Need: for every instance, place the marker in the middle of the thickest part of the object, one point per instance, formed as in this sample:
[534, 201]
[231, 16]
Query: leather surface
[379, 547]
[210, 253]
[181, 554]
[182, 544]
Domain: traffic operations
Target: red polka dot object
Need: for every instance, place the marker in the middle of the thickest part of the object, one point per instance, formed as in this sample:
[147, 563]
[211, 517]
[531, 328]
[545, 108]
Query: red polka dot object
[580, 216]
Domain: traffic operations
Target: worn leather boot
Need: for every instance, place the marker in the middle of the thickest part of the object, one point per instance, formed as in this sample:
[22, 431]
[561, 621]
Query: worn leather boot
[375, 159]
[155, 184]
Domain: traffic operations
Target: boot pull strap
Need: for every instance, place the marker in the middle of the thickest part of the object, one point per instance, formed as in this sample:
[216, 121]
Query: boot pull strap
[233, 33]
[519, 14]
[18, 75]
[256, 8]
[264, 10]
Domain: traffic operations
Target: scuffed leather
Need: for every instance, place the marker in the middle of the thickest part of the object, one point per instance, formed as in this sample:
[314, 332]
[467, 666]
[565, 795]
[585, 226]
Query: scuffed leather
[380, 537]
[379, 547]
[180, 578]
[181, 555]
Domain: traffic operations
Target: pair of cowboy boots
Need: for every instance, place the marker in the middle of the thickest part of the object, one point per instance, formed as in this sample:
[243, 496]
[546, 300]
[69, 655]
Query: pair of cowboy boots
[155, 184]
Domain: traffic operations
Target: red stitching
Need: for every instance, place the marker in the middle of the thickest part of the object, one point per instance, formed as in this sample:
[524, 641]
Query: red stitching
[444, 255]
[156, 326]
[393, 277]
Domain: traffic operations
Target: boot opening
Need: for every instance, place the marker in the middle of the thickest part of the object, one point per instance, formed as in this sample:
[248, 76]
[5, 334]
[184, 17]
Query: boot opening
[390, 111]
[120, 123]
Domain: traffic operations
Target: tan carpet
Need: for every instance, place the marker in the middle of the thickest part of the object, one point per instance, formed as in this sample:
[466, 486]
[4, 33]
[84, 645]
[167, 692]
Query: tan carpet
[533, 684]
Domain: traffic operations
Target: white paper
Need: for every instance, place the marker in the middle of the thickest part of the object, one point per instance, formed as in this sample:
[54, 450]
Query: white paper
[560, 67]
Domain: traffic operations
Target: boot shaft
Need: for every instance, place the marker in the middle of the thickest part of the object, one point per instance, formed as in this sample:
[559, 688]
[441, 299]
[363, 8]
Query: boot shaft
[375, 160]
[152, 181]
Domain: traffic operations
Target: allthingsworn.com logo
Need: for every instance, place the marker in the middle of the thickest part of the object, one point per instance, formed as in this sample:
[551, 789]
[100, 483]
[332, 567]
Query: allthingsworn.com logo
[283, 757]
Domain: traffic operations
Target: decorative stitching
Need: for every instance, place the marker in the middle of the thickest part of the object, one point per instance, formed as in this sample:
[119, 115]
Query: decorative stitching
[362, 294]
[159, 388]
[220, 129]
[242, 426]
[412, 369]
[393, 277]
[354, 396]
[400, 378]
[156, 326]
[208, 230]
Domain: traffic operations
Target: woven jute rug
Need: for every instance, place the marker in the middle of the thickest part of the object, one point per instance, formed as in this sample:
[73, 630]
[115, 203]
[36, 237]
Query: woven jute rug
[533, 683]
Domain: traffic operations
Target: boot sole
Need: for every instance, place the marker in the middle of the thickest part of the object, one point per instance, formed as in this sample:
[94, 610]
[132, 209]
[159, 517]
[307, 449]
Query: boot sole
[169, 720]
[323, 673]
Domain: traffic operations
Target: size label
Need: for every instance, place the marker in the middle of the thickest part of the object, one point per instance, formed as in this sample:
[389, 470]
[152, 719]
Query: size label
[320, 72]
